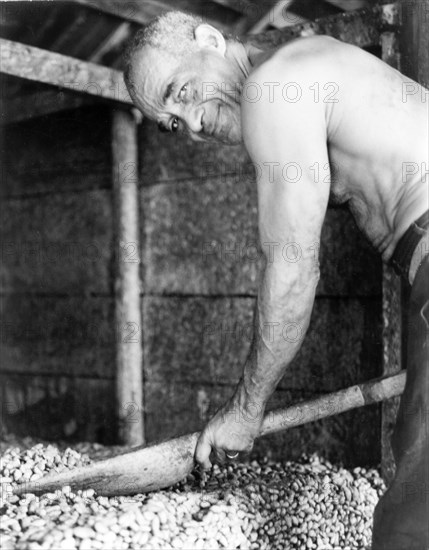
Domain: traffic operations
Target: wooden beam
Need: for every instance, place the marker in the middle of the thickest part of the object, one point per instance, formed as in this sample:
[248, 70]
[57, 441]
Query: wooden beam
[361, 28]
[278, 17]
[415, 41]
[115, 40]
[141, 12]
[347, 5]
[52, 68]
[40, 104]
[240, 6]
[392, 314]
[413, 45]
[129, 356]
[252, 14]
[391, 362]
[144, 11]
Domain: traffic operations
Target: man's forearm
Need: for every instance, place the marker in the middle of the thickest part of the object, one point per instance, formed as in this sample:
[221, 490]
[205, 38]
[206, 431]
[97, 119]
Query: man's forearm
[282, 317]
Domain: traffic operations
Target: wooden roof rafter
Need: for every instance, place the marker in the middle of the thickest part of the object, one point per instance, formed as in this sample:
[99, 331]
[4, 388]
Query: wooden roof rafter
[118, 37]
[142, 12]
[133, 11]
[285, 13]
[279, 16]
[37, 65]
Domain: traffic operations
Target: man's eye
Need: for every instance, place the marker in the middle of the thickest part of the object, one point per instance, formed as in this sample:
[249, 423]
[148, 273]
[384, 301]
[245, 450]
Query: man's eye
[175, 124]
[182, 92]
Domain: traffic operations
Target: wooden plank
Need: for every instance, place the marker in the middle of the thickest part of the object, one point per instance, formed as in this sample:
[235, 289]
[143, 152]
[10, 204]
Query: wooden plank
[276, 17]
[41, 104]
[214, 248]
[253, 12]
[129, 382]
[391, 14]
[392, 313]
[66, 152]
[240, 6]
[60, 243]
[143, 12]
[392, 364]
[137, 12]
[347, 5]
[361, 28]
[29, 22]
[71, 336]
[414, 62]
[301, 12]
[414, 41]
[390, 49]
[40, 65]
[57, 407]
[113, 41]
[191, 340]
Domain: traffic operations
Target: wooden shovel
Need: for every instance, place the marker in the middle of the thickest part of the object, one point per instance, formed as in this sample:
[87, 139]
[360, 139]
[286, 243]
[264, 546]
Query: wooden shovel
[155, 466]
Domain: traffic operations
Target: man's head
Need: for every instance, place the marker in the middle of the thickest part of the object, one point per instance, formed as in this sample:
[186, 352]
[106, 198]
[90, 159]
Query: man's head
[178, 73]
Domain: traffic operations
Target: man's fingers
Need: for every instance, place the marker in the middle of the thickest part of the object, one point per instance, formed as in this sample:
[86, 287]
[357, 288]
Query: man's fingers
[202, 452]
[220, 455]
[249, 447]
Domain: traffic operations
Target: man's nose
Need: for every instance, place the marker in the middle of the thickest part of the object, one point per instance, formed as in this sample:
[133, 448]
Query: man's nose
[193, 118]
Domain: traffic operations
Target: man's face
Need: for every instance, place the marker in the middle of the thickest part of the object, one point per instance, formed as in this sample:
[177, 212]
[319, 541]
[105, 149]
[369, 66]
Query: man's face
[198, 95]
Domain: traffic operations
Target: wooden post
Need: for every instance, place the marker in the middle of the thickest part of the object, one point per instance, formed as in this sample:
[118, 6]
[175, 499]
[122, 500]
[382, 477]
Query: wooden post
[392, 351]
[414, 43]
[392, 313]
[413, 61]
[129, 378]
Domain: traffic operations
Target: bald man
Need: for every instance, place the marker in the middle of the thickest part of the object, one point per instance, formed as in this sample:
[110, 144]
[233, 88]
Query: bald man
[321, 120]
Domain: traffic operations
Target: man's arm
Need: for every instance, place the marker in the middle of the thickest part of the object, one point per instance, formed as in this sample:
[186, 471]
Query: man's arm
[287, 143]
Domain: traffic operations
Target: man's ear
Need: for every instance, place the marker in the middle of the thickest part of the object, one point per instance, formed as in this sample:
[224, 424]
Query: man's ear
[209, 37]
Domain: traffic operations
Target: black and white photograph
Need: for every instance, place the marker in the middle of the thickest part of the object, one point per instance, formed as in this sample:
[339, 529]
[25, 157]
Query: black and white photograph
[214, 275]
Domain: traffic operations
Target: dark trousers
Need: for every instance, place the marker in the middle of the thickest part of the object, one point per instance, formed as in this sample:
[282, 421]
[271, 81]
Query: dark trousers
[401, 518]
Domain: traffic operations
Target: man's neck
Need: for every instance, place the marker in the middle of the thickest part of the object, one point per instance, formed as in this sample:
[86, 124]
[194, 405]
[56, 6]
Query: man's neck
[244, 56]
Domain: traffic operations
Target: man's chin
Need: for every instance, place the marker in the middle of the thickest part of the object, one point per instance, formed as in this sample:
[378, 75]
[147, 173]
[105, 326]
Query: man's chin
[232, 141]
[236, 140]
[224, 138]
[232, 138]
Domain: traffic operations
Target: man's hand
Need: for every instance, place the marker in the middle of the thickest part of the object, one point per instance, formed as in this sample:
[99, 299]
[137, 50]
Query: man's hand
[232, 429]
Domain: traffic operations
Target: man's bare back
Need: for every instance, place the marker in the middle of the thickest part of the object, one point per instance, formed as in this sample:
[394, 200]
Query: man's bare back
[377, 131]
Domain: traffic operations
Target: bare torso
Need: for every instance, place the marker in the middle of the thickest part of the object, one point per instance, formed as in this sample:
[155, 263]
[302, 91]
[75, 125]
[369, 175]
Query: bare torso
[377, 134]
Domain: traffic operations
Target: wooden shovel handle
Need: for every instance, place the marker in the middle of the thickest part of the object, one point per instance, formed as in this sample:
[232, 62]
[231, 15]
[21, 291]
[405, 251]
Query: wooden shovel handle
[337, 402]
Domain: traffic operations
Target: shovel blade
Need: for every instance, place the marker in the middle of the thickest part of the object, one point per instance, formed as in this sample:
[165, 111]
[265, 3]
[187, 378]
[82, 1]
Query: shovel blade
[140, 470]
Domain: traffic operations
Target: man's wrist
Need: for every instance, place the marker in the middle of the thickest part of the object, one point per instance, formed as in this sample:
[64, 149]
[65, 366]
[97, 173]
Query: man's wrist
[252, 406]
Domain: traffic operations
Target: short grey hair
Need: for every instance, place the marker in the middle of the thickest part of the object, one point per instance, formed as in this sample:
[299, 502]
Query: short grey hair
[172, 33]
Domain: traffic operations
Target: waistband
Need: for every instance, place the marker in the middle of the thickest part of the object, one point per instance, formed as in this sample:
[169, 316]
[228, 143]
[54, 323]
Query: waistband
[401, 257]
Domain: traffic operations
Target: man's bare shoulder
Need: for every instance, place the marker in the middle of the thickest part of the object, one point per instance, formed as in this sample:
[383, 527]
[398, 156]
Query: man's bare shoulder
[281, 96]
[286, 78]
[313, 54]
